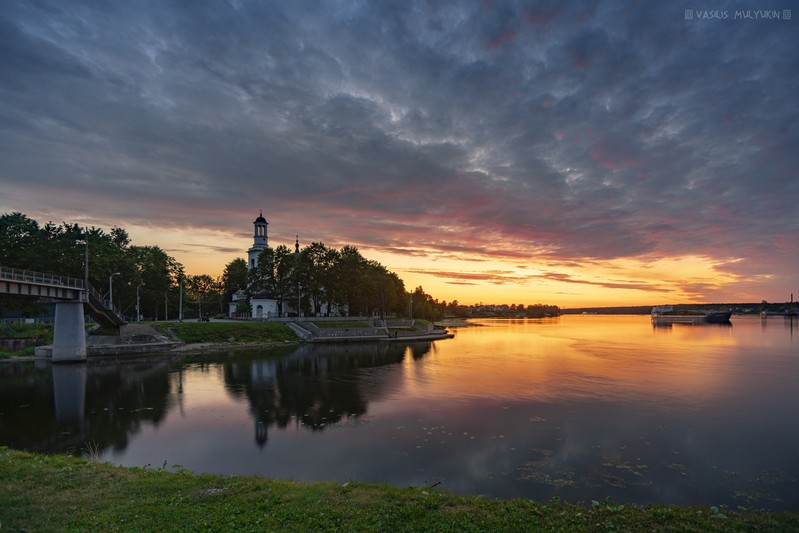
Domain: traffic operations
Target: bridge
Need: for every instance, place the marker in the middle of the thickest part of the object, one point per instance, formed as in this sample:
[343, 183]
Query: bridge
[73, 298]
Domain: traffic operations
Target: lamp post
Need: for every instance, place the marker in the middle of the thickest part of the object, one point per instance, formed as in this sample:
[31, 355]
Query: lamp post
[138, 302]
[85, 243]
[110, 287]
[180, 304]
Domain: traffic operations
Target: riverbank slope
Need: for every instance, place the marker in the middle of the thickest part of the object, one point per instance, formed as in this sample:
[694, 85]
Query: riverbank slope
[64, 493]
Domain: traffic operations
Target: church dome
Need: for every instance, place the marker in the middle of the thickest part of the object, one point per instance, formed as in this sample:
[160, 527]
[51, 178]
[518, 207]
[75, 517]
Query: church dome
[260, 219]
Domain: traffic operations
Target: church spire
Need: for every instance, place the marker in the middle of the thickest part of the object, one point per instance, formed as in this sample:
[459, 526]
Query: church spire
[297, 246]
[260, 240]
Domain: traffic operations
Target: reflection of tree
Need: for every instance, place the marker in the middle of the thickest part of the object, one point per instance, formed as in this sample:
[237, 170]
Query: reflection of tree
[118, 398]
[312, 385]
[316, 385]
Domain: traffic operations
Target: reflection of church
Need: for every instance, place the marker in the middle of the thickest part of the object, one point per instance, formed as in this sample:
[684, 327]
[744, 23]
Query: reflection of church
[313, 385]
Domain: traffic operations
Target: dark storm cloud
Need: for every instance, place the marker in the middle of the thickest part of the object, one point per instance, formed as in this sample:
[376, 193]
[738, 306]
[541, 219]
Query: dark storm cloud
[599, 130]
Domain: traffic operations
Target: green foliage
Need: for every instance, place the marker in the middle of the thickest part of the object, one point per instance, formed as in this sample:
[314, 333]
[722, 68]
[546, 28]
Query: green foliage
[43, 493]
[319, 275]
[198, 287]
[20, 330]
[226, 332]
[62, 250]
[40, 332]
[234, 278]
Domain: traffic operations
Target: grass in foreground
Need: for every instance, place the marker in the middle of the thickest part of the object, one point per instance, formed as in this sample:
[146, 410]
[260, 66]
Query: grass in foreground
[63, 493]
[226, 332]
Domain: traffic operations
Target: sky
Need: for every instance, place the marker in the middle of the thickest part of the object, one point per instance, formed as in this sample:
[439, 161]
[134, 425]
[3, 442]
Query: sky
[568, 153]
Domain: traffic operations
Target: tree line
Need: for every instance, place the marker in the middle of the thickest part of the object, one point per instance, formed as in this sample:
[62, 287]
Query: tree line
[319, 279]
[316, 278]
[62, 250]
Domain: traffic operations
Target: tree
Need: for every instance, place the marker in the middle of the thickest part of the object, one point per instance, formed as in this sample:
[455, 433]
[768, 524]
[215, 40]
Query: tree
[20, 237]
[19, 248]
[156, 275]
[273, 274]
[199, 286]
[310, 274]
[424, 306]
[234, 278]
[347, 280]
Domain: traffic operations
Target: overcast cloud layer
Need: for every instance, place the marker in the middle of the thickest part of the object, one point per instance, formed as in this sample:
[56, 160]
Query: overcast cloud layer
[580, 133]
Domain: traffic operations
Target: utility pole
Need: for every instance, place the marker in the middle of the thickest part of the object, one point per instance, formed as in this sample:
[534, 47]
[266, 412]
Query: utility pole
[110, 289]
[138, 301]
[180, 310]
[86, 264]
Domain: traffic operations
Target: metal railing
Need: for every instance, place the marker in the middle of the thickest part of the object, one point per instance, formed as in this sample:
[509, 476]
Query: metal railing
[40, 278]
[29, 276]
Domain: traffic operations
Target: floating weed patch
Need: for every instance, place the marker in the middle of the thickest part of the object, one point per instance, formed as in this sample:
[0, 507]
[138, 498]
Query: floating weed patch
[543, 470]
[677, 467]
[621, 466]
[775, 476]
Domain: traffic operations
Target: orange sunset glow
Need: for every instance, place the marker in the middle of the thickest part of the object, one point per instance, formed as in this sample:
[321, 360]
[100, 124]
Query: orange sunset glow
[485, 278]
[547, 364]
[589, 154]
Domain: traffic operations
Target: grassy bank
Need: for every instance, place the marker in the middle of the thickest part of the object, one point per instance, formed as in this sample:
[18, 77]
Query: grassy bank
[47, 493]
[39, 333]
[227, 332]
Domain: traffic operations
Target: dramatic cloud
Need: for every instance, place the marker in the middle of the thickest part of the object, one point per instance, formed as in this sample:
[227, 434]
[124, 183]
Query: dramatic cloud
[574, 134]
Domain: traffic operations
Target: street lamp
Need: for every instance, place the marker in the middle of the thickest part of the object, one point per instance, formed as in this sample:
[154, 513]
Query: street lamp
[85, 243]
[180, 304]
[138, 302]
[111, 286]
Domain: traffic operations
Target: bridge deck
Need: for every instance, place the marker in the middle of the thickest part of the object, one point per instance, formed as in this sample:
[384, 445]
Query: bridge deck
[28, 283]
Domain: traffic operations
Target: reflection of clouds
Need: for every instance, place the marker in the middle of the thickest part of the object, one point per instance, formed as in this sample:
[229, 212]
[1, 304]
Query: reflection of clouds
[609, 408]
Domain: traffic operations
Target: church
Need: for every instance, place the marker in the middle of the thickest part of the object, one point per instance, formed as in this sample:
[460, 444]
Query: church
[263, 304]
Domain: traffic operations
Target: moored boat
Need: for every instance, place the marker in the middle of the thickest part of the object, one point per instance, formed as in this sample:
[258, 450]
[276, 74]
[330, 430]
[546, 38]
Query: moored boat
[665, 314]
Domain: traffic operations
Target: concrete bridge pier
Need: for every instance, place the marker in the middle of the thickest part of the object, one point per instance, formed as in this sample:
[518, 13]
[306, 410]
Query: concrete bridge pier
[69, 335]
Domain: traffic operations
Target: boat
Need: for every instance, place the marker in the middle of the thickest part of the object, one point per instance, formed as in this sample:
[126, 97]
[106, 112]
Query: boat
[665, 314]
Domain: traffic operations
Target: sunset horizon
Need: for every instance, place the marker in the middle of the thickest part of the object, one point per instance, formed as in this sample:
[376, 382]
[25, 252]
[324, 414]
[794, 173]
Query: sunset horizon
[592, 154]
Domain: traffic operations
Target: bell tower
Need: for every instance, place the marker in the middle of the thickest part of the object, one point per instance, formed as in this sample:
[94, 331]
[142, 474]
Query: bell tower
[260, 241]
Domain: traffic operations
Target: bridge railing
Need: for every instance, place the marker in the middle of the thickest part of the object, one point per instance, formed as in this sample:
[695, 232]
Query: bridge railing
[29, 276]
[14, 274]
[105, 302]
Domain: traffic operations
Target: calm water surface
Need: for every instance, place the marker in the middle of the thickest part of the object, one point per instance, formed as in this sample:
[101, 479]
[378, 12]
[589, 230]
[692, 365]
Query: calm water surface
[580, 407]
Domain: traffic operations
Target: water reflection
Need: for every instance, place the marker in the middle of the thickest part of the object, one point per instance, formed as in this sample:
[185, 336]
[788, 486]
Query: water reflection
[69, 396]
[313, 386]
[67, 408]
[577, 407]
[102, 404]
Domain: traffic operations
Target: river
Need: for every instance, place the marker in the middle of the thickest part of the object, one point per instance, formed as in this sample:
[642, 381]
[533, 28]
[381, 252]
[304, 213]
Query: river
[581, 407]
